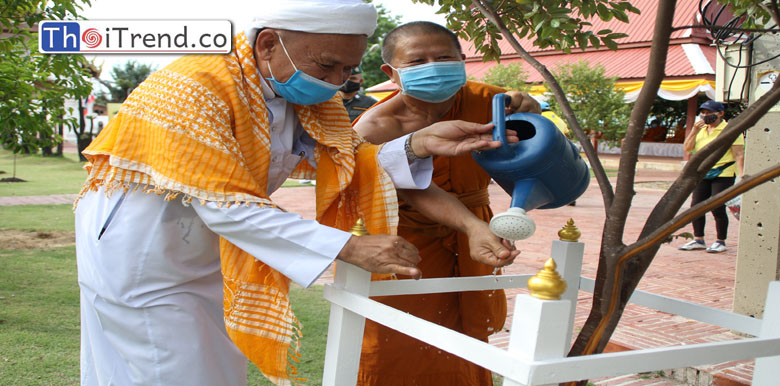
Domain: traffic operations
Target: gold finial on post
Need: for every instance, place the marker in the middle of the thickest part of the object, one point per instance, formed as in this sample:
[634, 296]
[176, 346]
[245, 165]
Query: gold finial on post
[547, 284]
[569, 232]
[359, 229]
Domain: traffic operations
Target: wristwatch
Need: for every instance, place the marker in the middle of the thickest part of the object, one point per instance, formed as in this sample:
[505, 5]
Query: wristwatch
[410, 156]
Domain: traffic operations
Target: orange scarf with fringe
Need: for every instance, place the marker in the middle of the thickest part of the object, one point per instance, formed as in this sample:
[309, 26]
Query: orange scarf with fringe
[199, 129]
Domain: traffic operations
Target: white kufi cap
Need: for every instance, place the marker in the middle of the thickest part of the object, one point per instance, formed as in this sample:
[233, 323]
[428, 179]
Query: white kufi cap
[348, 17]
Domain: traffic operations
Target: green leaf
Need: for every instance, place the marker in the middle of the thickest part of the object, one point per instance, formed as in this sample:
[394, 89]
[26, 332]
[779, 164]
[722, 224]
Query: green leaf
[617, 35]
[604, 12]
[609, 43]
[582, 41]
[620, 15]
[594, 41]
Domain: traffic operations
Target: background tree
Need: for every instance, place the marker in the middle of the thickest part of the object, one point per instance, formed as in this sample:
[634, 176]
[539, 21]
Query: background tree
[563, 25]
[372, 75]
[511, 77]
[125, 78]
[34, 86]
[599, 106]
[669, 113]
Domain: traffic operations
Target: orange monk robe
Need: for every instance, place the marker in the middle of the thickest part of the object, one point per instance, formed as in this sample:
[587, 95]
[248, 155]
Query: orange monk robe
[393, 359]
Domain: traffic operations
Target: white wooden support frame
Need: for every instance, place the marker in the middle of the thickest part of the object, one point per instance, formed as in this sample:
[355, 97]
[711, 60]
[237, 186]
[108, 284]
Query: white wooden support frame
[464, 346]
[568, 257]
[541, 330]
[767, 369]
[541, 334]
[345, 329]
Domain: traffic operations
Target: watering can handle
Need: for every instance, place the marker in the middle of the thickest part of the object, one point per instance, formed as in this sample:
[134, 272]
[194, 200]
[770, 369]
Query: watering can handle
[500, 102]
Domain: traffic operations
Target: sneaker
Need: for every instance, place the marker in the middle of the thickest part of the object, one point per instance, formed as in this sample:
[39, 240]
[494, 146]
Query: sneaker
[717, 247]
[693, 244]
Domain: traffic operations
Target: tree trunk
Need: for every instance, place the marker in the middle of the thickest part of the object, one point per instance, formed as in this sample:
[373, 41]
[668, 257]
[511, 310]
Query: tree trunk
[60, 143]
[82, 139]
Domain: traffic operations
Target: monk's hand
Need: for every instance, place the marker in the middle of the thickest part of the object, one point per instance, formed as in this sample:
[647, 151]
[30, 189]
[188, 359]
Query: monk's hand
[487, 248]
[522, 103]
[453, 138]
[382, 254]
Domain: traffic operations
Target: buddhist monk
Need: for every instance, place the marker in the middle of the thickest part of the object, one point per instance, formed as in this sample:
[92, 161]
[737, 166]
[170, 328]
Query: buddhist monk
[426, 62]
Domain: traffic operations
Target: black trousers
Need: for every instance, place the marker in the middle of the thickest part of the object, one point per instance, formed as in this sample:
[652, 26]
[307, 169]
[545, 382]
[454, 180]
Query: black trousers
[705, 190]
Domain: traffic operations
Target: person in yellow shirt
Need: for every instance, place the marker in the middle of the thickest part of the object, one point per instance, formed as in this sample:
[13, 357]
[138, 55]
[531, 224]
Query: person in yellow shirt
[559, 123]
[718, 179]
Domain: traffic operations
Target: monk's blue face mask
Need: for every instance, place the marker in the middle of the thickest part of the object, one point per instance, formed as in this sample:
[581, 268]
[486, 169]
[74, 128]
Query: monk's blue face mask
[432, 82]
[301, 88]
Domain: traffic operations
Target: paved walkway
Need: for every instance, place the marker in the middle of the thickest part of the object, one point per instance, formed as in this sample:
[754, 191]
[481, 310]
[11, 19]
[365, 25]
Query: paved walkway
[699, 277]
[38, 200]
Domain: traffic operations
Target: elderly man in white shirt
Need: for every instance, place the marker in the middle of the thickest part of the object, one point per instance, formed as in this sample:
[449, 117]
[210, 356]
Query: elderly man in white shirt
[150, 269]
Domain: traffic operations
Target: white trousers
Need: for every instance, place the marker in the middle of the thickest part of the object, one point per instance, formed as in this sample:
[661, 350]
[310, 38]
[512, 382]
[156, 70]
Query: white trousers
[151, 295]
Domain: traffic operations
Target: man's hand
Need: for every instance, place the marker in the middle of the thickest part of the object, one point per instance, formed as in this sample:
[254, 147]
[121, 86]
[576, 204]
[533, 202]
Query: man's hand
[487, 248]
[522, 103]
[382, 254]
[453, 138]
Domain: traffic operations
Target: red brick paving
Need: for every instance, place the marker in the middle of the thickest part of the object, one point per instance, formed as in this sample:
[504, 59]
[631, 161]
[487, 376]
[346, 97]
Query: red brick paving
[695, 276]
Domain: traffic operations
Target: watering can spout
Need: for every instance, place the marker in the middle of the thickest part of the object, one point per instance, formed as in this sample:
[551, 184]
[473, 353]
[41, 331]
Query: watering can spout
[543, 170]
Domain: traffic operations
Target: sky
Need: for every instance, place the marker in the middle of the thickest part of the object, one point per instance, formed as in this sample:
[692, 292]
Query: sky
[235, 10]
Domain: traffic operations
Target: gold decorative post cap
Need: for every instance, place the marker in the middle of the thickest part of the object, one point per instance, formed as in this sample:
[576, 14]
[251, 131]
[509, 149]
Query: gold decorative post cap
[359, 229]
[547, 284]
[569, 232]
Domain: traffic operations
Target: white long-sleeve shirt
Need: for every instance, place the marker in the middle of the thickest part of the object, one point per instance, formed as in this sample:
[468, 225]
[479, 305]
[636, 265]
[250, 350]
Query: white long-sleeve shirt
[298, 248]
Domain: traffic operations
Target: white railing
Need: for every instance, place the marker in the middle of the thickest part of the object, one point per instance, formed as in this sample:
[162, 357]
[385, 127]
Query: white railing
[541, 330]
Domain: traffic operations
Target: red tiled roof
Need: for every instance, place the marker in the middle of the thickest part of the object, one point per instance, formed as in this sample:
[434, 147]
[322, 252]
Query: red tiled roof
[626, 64]
[639, 28]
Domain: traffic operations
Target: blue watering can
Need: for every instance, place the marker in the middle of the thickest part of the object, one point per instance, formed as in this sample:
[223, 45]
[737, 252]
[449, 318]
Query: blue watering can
[543, 170]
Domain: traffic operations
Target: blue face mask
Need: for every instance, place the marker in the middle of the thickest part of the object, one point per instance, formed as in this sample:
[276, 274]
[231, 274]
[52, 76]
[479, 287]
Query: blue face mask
[433, 82]
[301, 88]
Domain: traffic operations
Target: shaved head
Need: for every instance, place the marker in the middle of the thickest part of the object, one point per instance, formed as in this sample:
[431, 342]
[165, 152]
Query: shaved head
[415, 28]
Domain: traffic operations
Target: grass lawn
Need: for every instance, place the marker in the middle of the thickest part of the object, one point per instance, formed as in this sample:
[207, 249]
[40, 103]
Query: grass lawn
[39, 321]
[39, 309]
[37, 217]
[44, 175]
[39, 317]
[313, 312]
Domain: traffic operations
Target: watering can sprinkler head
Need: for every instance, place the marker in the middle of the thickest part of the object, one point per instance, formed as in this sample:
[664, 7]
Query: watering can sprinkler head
[513, 225]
